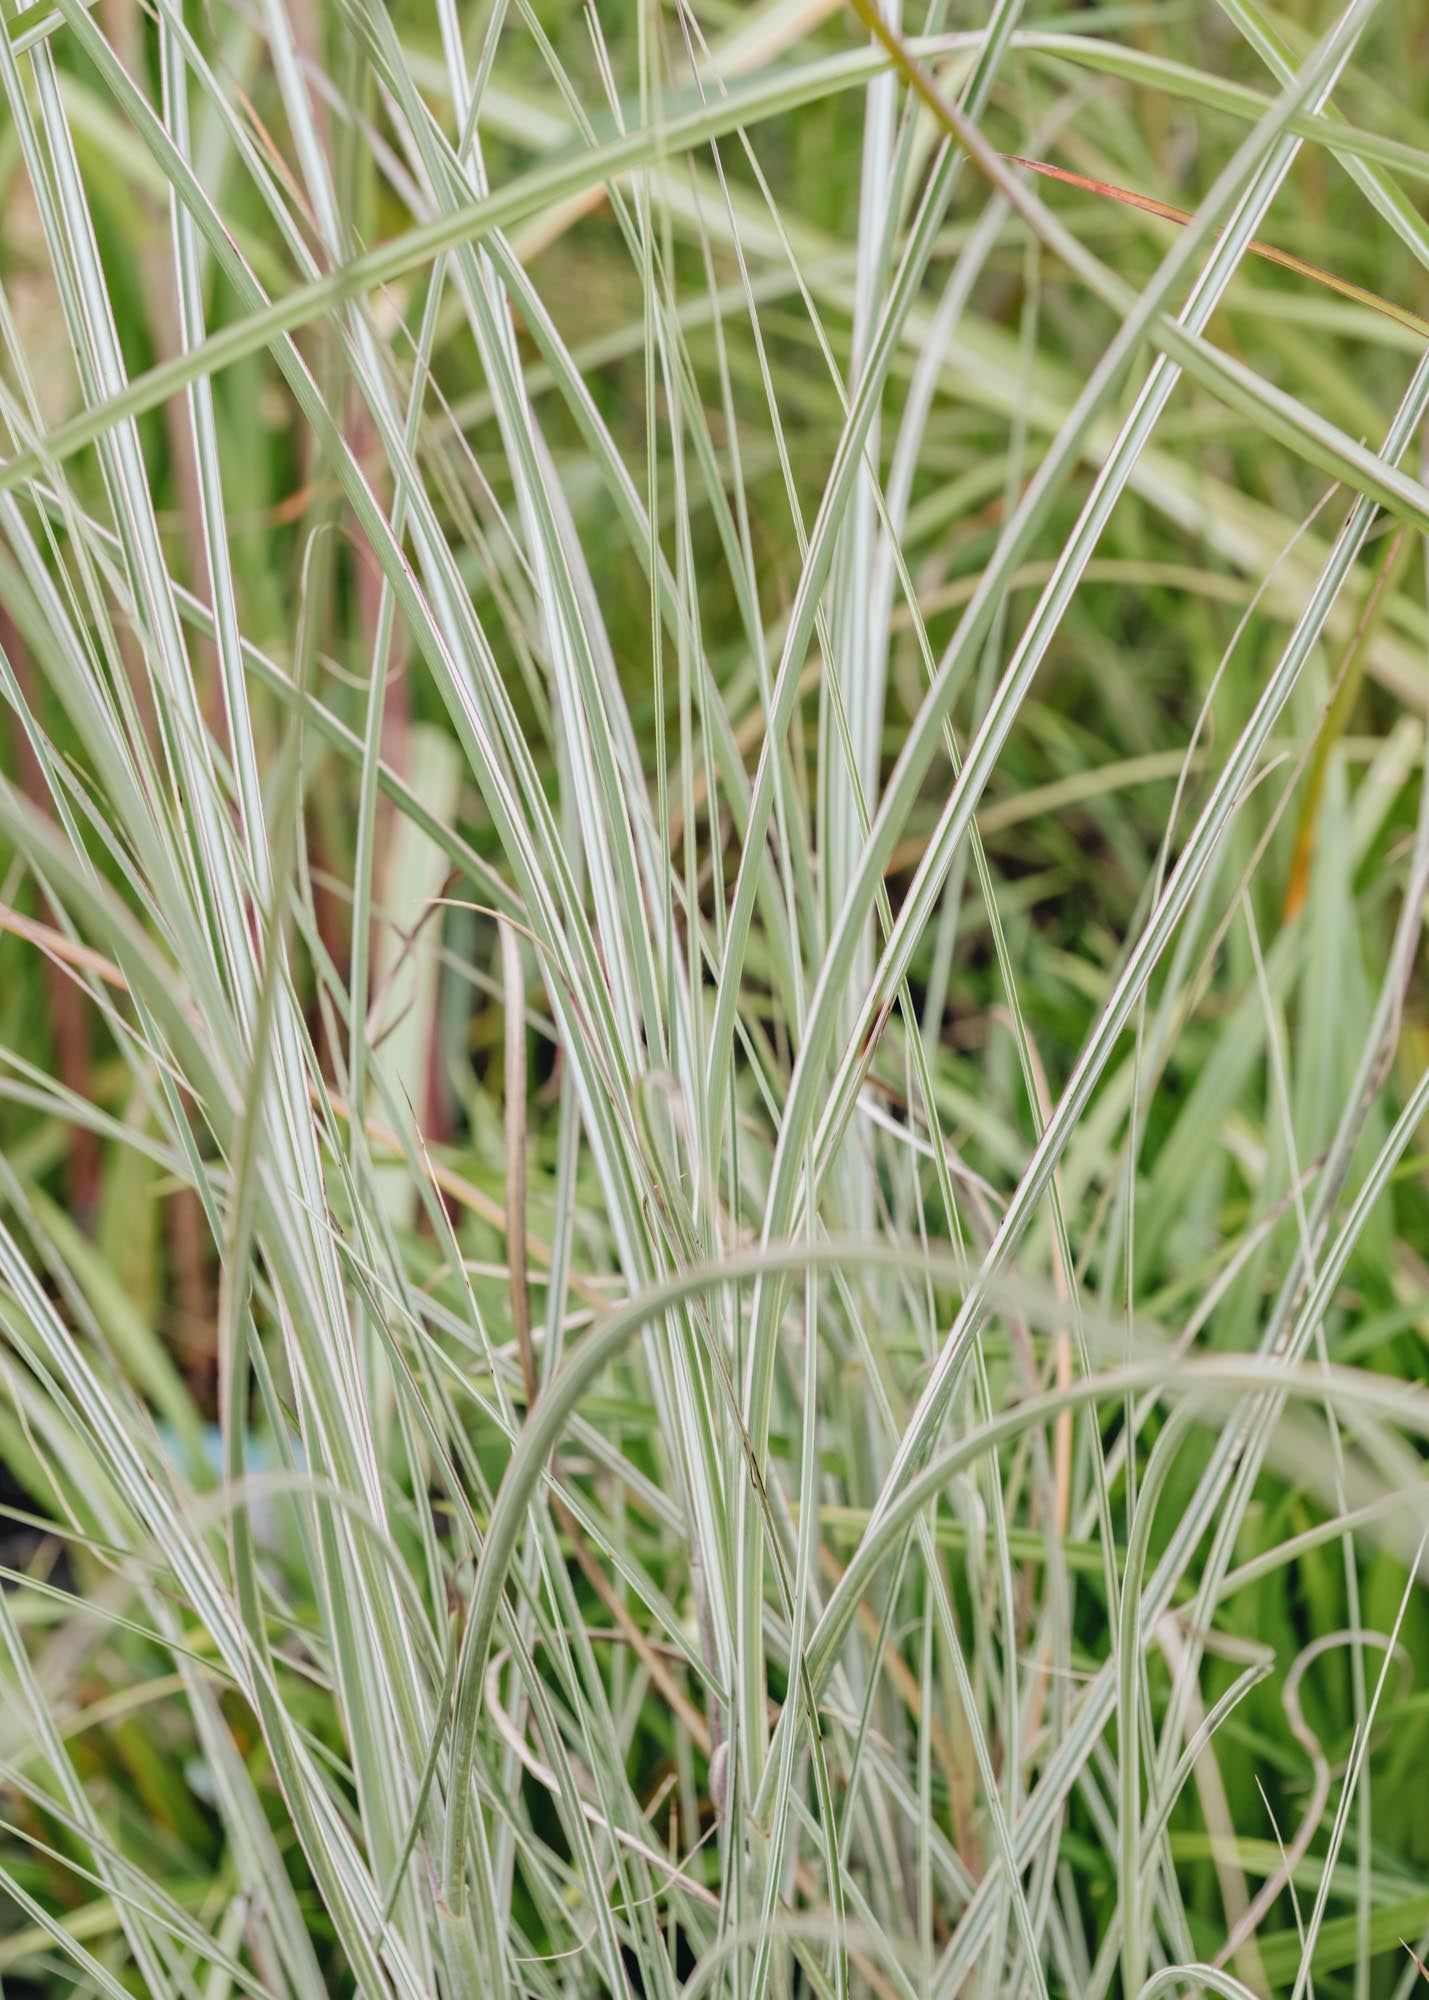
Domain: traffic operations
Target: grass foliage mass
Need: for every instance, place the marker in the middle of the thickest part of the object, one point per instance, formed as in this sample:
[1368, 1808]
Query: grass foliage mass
[714, 828]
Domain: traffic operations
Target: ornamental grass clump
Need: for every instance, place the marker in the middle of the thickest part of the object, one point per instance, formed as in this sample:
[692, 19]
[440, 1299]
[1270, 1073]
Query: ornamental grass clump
[714, 834]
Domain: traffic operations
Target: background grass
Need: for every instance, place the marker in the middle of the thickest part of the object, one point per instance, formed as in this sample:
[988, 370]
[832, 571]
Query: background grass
[713, 1053]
